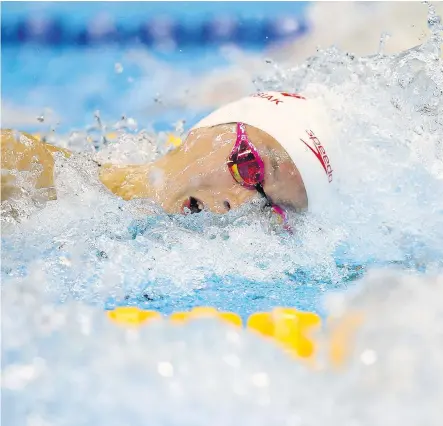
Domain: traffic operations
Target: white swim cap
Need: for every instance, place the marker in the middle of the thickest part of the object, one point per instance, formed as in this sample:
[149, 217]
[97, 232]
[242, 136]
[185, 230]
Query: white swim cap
[301, 126]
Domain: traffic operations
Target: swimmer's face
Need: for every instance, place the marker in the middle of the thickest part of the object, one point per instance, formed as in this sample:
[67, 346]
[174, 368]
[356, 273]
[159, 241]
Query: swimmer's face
[195, 175]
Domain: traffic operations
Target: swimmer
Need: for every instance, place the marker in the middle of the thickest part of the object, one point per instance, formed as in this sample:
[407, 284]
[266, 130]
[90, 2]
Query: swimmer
[276, 146]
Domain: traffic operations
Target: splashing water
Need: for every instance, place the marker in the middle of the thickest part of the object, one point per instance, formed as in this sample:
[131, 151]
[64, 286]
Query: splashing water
[395, 370]
[65, 364]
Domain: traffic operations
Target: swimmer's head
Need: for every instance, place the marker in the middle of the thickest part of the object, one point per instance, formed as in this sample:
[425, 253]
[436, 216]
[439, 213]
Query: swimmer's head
[292, 135]
[289, 133]
[196, 175]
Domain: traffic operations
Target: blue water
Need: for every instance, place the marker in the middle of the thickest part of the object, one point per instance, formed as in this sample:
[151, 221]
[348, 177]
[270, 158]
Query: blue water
[66, 364]
[99, 242]
[131, 13]
[76, 81]
[39, 78]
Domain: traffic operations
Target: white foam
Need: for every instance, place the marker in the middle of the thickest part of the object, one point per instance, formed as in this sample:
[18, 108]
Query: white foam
[65, 364]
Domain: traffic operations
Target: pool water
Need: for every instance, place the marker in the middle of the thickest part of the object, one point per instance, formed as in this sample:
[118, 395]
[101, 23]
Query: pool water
[376, 249]
[120, 78]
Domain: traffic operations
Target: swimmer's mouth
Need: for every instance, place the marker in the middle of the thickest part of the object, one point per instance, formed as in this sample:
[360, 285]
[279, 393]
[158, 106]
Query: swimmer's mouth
[192, 205]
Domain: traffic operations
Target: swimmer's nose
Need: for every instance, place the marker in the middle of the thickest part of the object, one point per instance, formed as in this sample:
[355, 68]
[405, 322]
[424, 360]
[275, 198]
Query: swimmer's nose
[218, 203]
[194, 205]
[233, 200]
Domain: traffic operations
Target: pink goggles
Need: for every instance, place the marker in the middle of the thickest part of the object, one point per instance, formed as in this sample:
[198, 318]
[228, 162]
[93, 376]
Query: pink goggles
[247, 168]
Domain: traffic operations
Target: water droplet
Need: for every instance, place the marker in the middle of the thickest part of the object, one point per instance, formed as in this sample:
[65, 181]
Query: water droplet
[165, 369]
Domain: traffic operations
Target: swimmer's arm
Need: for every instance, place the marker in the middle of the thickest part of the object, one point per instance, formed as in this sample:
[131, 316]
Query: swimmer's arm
[133, 181]
[127, 182]
[21, 152]
[53, 148]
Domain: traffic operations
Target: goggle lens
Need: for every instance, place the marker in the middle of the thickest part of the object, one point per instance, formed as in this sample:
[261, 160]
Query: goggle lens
[247, 168]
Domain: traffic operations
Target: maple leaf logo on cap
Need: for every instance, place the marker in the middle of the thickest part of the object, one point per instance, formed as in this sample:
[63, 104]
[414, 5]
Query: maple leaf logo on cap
[293, 95]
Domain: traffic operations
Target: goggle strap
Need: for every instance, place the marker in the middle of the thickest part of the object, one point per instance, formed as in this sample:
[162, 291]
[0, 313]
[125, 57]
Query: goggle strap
[261, 191]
